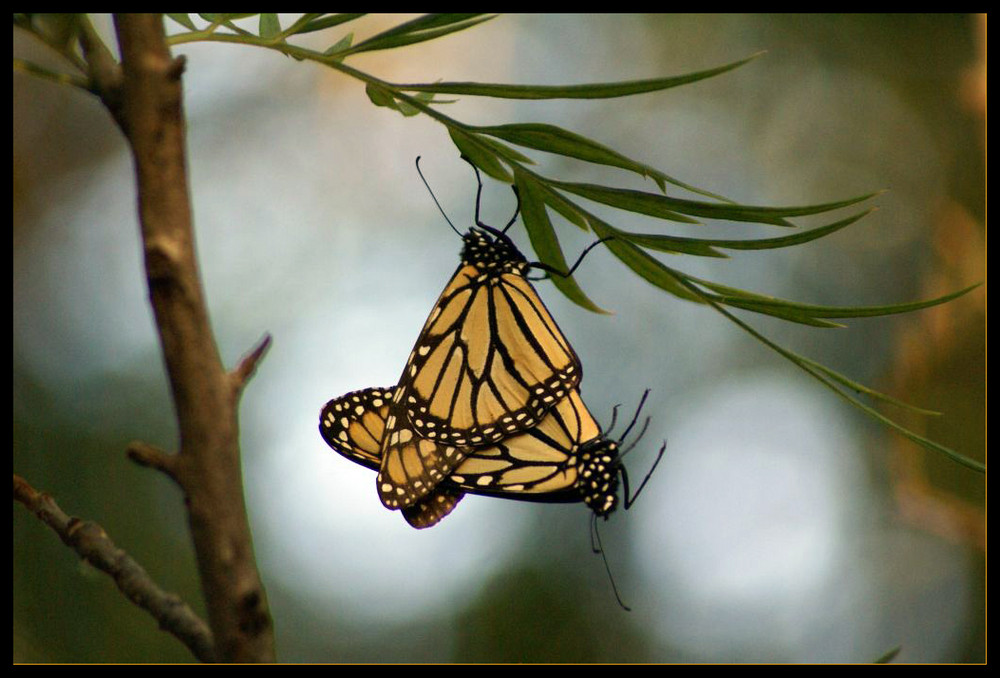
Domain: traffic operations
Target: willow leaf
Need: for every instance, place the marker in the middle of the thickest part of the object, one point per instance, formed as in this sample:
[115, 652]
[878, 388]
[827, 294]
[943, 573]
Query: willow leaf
[328, 22]
[788, 240]
[673, 244]
[391, 40]
[870, 392]
[553, 139]
[788, 313]
[340, 45]
[269, 26]
[829, 378]
[184, 20]
[663, 207]
[227, 21]
[380, 96]
[706, 247]
[504, 151]
[817, 311]
[608, 90]
[425, 23]
[569, 211]
[479, 155]
[546, 243]
[646, 266]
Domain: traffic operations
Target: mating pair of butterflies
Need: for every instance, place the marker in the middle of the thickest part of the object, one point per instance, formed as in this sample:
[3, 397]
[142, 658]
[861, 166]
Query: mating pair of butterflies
[488, 403]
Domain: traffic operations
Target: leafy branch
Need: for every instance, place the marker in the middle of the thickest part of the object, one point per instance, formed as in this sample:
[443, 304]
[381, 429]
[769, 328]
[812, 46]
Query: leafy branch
[497, 150]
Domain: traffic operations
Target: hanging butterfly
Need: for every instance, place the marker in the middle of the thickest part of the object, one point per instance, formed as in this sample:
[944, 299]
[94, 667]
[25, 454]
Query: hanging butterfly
[490, 362]
[565, 459]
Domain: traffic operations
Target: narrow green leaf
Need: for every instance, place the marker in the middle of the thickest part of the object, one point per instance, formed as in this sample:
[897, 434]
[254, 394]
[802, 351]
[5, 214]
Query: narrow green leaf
[663, 207]
[752, 301]
[783, 312]
[407, 109]
[220, 18]
[227, 21]
[270, 26]
[826, 376]
[788, 240]
[858, 387]
[302, 22]
[546, 243]
[328, 22]
[503, 150]
[390, 40]
[553, 139]
[184, 20]
[673, 244]
[569, 211]
[425, 23]
[706, 247]
[380, 97]
[816, 311]
[607, 90]
[640, 262]
[479, 155]
[340, 45]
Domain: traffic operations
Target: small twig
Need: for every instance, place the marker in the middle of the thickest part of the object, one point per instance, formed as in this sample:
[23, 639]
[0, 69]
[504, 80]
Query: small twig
[151, 456]
[103, 70]
[242, 373]
[92, 544]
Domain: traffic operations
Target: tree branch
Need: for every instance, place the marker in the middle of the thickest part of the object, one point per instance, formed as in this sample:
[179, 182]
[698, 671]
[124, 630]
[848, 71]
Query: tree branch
[207, 466]
[92, 544]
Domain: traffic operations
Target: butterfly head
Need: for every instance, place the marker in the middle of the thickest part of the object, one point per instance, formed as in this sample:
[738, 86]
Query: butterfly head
[600, 465]
[490, 249]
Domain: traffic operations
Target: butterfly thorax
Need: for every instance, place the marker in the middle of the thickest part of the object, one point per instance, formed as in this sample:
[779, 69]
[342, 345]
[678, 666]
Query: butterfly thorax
[492, 253]
[598, 478]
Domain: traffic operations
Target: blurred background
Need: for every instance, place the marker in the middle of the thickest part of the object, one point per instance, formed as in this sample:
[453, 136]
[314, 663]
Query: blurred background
[782, 524]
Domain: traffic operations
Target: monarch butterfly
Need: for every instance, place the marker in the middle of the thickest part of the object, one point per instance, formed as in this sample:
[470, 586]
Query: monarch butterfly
[566, 458]
[489, 362]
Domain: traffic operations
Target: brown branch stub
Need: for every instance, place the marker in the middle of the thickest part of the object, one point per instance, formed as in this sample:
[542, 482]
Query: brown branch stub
[248, 365]
[151, 456]
[92, 543]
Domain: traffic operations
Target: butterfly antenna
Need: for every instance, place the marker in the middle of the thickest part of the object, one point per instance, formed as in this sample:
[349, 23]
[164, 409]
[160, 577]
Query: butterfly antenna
[614, 419]
[479, 195]
[440, 209]
[607, 567]
[631, 445]
[631, 500]
[635, 418]
[479, 192]
[517, 208]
